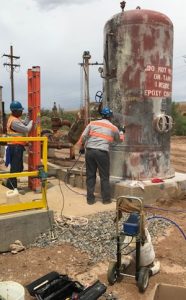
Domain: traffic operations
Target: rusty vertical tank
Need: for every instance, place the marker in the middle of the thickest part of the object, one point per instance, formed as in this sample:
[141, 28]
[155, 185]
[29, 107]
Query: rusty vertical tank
[138, 54]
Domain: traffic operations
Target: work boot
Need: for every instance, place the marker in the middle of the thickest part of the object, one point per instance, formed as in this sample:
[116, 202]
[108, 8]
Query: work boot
[90, 201]
[107, 201]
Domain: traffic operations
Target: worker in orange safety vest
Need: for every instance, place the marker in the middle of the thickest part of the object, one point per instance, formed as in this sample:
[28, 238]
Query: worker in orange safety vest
[96, 138]
[14, 152]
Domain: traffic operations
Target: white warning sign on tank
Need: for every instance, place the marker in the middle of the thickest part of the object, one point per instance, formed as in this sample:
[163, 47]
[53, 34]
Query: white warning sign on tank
[158, 81]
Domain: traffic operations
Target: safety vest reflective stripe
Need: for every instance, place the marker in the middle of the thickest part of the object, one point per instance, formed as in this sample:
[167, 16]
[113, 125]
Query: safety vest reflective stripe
[101, 135]
[110, 126]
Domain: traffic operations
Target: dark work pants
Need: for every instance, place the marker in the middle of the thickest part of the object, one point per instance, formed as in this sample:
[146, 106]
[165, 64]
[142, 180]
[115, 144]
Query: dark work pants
[97, 159]
[16, 164]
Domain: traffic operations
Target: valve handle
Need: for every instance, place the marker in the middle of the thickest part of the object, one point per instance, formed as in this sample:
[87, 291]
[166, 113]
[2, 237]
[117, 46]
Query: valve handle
[99, 96]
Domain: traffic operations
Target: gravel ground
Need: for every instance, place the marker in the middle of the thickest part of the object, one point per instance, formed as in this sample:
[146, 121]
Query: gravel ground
[97, 237]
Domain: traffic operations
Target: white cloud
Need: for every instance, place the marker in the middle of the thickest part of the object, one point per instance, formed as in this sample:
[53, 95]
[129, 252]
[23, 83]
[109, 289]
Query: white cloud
[48, 4]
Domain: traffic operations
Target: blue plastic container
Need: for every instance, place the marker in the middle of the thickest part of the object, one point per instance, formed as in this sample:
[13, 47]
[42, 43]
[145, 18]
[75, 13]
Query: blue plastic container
[131, 226]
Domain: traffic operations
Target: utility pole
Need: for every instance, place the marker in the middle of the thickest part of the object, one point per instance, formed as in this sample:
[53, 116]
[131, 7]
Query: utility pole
[85, 65]
[86, 58]
[12, 68]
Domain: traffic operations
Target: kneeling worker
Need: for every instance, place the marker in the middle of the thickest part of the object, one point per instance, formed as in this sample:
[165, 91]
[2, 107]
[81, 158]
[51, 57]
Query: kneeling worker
[16, 128]
[96, 139]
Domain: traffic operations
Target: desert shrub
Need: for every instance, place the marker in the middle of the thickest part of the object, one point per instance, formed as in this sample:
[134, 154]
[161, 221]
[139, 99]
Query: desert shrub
[179, 127]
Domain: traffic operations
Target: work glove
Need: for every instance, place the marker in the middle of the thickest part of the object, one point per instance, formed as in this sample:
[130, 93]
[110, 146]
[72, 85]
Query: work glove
[121, 128]
[82, 151]
[121, 136]
[26, 120]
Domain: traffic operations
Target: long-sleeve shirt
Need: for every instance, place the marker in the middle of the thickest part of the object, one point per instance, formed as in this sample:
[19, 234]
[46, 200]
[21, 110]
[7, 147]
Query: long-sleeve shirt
[16, 128]
[100, 134]
[21, 126]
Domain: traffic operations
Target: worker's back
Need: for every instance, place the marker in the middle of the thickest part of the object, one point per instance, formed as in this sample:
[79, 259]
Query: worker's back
[99, 134]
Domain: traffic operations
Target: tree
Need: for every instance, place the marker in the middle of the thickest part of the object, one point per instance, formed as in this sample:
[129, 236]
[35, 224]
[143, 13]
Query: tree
[179, 127]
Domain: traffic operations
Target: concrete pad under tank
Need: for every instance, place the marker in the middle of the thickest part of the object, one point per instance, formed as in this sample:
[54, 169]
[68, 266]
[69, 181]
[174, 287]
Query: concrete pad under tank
[169, 190]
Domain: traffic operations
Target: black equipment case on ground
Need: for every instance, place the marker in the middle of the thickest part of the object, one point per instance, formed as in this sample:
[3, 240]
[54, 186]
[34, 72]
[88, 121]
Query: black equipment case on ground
[54, 286]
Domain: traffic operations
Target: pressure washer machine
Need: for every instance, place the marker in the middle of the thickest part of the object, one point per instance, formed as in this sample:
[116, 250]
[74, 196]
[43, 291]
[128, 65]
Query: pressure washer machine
[132, 228]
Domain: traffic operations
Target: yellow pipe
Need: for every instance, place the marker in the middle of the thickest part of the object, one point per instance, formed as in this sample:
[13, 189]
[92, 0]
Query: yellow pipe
[8, 208]
[44, 154]
[19, 174]
[23, 139]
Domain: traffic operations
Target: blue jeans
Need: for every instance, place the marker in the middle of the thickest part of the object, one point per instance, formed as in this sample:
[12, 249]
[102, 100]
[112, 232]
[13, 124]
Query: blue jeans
[16, 164]
[97, 159]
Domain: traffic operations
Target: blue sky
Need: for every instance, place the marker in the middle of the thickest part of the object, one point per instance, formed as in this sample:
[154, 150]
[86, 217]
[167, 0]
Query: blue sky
[54, 34]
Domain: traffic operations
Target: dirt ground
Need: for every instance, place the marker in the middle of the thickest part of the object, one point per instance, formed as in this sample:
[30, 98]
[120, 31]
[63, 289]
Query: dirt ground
[178, 157]
[170, 250]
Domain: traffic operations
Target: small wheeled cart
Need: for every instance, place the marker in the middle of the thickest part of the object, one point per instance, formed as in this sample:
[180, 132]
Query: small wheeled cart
[134, 228]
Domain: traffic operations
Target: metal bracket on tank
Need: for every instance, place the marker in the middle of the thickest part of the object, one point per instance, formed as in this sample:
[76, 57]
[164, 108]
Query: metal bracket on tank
[163, 123]
[107, 76]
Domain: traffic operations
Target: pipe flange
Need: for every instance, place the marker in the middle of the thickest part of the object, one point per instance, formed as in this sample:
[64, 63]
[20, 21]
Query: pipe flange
[163, 123]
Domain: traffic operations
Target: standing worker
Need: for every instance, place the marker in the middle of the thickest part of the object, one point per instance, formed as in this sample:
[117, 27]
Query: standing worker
[16, 128]
[96, 138]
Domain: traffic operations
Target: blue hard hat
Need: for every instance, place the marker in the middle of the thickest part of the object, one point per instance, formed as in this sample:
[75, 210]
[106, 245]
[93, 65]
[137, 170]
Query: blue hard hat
[16, 105]
[106, 112]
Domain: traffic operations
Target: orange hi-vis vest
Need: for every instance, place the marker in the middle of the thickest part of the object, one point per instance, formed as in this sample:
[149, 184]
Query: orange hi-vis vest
[99, 134]
[105, 130]
[13, 133]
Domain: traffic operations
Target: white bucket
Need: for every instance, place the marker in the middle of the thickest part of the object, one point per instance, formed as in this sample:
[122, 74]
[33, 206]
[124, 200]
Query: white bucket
[11, 290]
[147, 254]
[12, 193]
[12, 196]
